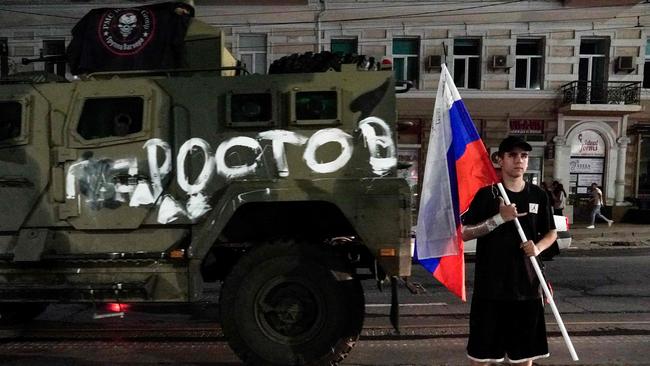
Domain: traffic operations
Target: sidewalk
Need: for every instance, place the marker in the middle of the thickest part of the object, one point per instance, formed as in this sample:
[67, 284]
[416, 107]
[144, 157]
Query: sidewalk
[618, 236]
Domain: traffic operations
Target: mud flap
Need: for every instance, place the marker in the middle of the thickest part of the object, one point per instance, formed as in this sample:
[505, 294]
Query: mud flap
[394, 304]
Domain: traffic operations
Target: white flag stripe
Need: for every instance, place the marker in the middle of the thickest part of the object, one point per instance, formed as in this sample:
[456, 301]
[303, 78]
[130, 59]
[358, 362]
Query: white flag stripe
[436, 226]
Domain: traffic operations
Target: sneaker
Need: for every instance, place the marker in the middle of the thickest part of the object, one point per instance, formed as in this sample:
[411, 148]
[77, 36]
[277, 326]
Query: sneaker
[609, 223]
[591, 227]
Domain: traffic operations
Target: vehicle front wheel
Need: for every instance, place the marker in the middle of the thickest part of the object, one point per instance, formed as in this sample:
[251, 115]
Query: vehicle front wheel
[290, 303]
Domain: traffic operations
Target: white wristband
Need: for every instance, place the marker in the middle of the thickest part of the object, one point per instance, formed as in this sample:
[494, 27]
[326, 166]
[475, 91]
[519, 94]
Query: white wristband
[498, 220]
[484, 228]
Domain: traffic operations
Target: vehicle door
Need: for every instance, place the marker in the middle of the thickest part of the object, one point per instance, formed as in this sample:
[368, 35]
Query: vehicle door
[108, 183]
[24, 153]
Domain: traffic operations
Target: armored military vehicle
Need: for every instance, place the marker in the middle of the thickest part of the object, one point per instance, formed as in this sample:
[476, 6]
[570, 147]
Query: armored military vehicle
[144, 185]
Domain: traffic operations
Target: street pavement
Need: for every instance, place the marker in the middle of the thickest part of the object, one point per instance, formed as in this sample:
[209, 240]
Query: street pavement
[619, 239]
[604, 311]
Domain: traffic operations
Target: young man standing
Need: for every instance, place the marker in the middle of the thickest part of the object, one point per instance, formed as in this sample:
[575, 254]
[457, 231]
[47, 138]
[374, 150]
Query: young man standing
[507, 314]
[596, 204]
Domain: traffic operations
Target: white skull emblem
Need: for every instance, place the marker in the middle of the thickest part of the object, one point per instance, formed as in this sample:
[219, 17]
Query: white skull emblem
[127, 23]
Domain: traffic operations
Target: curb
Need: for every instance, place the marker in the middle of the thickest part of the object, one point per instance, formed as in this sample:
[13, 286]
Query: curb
[617, 237]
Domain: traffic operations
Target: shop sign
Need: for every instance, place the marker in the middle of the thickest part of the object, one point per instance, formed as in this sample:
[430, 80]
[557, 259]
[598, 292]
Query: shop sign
[582, 165]
[586, 180]
[526, 126]
[588, 143]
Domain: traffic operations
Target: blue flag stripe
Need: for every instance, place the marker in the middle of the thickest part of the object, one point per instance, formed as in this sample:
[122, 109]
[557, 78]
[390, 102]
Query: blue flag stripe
[462, 128]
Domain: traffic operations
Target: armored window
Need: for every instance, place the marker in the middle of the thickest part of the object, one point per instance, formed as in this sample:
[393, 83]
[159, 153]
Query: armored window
[110, 117]
[344, 46]
[254, 109]
[528, 71]
[252, 51]
[467, 63]
[10, 120]
[316, 107]
[406, 59]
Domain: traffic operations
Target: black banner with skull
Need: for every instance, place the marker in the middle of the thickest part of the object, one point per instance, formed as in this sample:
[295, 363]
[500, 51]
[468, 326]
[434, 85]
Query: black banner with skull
[118, 39]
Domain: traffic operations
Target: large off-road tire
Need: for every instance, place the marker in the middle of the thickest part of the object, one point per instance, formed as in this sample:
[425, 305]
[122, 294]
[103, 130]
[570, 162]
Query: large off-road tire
[16, 313]
[289, 303]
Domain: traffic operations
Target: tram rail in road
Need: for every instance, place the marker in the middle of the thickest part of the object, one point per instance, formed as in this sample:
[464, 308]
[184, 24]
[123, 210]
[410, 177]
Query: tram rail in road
[420, 323]
[67, 335]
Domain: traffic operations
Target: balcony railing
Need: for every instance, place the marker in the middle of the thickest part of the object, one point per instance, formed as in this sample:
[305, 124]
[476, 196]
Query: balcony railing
[612, 92]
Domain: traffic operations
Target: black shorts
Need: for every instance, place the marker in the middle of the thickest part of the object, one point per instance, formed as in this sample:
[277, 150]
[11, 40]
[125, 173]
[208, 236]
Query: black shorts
[506, 330]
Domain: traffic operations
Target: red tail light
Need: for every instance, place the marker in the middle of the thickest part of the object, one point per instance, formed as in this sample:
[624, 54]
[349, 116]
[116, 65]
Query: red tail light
[567, 223]
[117, 307]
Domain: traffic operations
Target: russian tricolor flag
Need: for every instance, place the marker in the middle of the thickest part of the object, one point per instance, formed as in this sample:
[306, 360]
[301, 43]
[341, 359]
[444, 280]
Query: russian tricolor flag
[457, 166]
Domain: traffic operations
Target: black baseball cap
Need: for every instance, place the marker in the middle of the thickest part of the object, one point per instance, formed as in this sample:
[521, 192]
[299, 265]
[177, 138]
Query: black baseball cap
[511, 142]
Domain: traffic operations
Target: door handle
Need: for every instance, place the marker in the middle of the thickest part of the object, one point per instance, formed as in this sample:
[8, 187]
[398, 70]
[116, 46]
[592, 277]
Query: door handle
[15, 182]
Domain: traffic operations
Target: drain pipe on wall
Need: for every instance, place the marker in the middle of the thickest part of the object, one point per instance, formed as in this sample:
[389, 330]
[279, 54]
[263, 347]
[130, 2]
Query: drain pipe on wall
[318, 31]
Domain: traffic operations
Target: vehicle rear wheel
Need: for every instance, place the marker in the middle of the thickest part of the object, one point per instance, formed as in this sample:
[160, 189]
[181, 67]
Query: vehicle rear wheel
[291, 304]
[15, 313]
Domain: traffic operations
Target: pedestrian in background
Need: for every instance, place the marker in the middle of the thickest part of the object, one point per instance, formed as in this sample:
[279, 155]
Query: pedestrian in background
[596, 204]
[507, 315]
[559, 198]
[549, 192]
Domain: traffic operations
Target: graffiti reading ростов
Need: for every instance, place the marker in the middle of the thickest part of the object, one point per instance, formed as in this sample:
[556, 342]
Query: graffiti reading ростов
[109, 183]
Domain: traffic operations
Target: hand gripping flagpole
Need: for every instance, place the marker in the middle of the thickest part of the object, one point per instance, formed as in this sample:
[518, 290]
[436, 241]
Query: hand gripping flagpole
[542, 281]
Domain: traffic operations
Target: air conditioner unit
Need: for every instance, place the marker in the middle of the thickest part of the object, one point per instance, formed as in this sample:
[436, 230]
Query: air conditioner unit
[433, 62]
[501, 62]
[625, 63]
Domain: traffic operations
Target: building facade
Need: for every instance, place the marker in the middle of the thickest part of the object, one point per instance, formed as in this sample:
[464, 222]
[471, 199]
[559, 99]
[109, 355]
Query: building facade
[569, 76]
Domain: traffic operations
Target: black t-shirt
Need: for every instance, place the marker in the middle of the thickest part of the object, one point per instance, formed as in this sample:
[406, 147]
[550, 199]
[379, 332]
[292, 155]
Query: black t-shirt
[503, 271]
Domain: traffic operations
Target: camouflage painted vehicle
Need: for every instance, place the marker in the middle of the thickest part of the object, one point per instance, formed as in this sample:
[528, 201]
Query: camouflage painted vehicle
[142, 186]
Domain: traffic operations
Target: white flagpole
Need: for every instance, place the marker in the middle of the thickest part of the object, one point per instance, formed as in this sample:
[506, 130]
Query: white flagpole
[542, 281]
